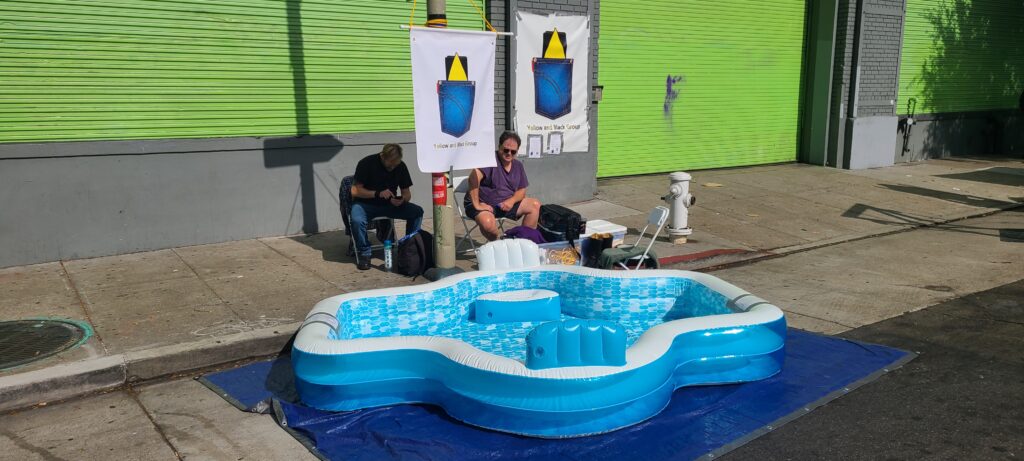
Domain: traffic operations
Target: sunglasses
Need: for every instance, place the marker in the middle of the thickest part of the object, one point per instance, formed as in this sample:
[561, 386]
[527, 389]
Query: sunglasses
[509, 151]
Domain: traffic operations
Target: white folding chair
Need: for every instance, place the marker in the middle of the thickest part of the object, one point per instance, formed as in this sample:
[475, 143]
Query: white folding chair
[461, 184]
[636, 252]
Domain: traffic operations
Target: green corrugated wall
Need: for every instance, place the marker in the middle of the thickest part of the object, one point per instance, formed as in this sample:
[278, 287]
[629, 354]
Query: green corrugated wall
[136, 69]
[962, 55]
[738, 102]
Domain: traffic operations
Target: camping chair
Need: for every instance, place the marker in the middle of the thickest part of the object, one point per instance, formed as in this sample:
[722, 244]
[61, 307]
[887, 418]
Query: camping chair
[641, 255]
[375, 224]
[461, 184]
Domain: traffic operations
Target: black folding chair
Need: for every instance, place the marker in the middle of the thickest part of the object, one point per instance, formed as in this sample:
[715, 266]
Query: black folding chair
[383, 226]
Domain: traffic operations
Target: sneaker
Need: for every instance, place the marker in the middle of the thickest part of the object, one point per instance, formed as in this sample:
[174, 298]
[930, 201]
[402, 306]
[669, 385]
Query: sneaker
[363, 264]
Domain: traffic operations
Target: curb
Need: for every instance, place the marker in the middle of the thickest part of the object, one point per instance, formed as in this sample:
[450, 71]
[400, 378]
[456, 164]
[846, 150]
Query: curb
[61, 382]
[711, 260]
[90, 376]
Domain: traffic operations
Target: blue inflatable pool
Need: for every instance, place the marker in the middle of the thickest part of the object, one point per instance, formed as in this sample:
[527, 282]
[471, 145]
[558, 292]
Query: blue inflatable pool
[551, 351]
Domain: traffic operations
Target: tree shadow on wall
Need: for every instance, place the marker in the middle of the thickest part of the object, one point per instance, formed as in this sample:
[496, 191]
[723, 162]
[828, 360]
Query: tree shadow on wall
[978, 56]
[305, 152]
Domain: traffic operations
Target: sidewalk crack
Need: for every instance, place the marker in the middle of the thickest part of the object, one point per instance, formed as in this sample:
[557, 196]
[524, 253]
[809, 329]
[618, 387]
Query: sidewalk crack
[159, 430]
[66, 276]
[297, 263]
[205, 284]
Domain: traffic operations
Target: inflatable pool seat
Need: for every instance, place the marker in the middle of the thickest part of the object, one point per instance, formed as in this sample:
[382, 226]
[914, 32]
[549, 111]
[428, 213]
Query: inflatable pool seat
[518, 306]
[575, 343]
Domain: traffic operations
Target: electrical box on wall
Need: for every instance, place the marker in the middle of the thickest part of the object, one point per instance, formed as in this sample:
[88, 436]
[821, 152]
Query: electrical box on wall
[597, 92]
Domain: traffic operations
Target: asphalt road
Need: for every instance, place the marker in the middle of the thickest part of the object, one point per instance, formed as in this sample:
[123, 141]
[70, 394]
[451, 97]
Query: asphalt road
[961, 398]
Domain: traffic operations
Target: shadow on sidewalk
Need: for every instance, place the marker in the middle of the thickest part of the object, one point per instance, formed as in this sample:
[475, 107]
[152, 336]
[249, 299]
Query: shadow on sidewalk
[998, 175]
[898, 218]
[332, 245]
[1011, 235]
[963, 199]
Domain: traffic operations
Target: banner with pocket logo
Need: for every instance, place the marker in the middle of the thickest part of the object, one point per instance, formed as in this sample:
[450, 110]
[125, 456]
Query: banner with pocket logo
[453, 98]
[552, 83]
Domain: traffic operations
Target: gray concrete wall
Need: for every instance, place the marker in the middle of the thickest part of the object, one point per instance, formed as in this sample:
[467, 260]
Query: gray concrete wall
[873, 141]
[962, 134]
[76, 200]
[71, 200]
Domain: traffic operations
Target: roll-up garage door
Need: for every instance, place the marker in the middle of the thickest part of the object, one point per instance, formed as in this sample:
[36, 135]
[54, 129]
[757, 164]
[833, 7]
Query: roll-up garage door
[136, 69]
[694, 84]
[961, 56]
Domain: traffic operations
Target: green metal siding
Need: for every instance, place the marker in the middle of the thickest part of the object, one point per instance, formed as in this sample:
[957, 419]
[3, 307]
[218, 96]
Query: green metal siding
[739, 102]
[962, 55]
[135, 69]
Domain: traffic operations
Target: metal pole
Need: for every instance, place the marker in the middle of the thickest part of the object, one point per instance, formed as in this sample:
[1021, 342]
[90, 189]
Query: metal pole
[444, 222]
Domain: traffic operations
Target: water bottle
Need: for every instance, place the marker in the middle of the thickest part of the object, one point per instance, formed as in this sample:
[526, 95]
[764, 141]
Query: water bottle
[387, 255]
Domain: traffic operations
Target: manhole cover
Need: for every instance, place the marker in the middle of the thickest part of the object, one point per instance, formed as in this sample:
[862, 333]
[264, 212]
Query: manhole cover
[25, 341]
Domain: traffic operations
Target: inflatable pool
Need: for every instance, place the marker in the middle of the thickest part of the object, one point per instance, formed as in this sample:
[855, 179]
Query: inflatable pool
[550, 351]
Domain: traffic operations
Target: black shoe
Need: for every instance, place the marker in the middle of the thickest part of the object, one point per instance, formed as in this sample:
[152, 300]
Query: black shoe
[363, 264]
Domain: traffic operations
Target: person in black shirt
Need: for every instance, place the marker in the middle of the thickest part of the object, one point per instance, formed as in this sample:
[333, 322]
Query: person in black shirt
[375, 193]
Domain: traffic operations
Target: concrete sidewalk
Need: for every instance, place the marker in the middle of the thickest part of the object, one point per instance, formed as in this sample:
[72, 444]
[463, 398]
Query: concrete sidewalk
[164, 312]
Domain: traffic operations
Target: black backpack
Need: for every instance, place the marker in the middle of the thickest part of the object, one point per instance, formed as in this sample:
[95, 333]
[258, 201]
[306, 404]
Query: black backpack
[414, 253]
[558, 223]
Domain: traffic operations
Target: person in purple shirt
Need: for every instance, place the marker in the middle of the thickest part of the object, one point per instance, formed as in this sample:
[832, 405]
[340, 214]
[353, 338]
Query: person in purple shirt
[500, 192]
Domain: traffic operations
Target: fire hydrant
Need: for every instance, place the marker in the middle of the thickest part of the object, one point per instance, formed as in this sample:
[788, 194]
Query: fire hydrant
[679, 199]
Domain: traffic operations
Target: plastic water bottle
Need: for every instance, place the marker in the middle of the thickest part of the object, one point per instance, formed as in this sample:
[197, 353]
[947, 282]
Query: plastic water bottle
[387, 256]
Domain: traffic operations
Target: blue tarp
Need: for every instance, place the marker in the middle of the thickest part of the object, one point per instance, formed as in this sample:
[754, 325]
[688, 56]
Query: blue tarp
[698, 421]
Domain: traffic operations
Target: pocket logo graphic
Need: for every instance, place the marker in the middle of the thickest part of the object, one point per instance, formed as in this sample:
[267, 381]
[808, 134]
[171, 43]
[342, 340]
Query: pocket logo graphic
[552, 78]
[455, 96]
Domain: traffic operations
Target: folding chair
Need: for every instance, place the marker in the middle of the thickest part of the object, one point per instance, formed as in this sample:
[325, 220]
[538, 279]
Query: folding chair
[461, 184]
[641, 255]
[345, 204]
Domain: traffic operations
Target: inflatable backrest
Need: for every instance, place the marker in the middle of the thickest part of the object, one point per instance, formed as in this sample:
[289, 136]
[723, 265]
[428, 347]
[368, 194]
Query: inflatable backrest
[574, 343]
[508, 254]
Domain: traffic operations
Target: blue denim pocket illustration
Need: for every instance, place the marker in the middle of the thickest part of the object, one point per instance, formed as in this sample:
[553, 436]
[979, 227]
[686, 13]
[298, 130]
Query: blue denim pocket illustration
[455, 98]
[552, 81]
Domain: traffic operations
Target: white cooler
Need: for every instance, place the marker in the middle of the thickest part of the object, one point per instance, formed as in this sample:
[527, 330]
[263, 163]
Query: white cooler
[599, 226]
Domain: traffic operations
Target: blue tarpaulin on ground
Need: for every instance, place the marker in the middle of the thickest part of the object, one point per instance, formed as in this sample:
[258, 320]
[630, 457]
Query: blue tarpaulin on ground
[698, 421]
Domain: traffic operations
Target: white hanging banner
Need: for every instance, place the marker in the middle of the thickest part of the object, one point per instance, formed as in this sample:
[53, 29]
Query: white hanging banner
[552, 94]
[453, 97]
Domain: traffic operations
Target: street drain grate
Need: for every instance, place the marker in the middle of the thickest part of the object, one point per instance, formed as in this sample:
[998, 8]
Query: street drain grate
[25, 341]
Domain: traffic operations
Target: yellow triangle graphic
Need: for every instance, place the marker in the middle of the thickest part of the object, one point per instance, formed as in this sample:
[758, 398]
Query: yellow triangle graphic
[457, 72]
[555, 49]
